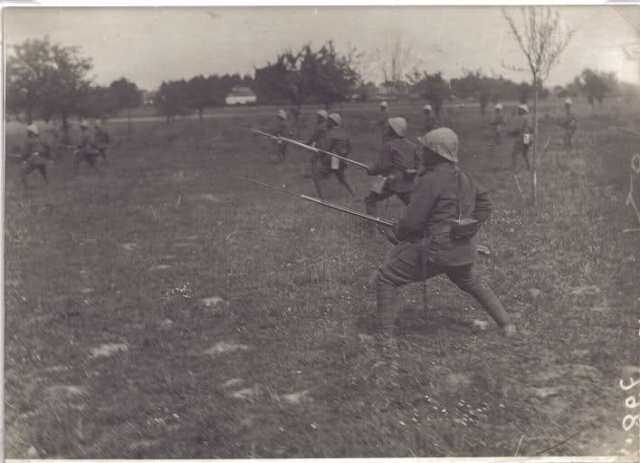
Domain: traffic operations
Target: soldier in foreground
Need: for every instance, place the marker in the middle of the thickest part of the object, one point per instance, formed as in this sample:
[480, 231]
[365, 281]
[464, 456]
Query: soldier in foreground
[570, 124]
[86, 151]
[523, 134]
[101, 140]
[397, 166]
[35, 156]
[281, 129]
[437, 236]
[430, 122]
[335, 141]
[498, 124]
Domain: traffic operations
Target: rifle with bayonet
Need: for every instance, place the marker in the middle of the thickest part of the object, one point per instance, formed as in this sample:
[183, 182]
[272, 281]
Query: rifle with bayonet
[310, 148]
[381, 222]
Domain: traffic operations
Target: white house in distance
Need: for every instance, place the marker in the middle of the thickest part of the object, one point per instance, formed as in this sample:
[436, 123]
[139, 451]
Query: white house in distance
[241, 96]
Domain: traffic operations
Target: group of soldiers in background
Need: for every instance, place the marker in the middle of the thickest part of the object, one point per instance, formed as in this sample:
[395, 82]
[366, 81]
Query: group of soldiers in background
[37, 153]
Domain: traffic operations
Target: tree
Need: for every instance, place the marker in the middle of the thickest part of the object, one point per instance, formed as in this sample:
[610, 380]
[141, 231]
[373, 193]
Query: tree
[201, 94]
[433, 87]
[595, 85]
[126, 96]
[542, 40]
[97, 102]
[172, 99]
[334, 77]
[46, 79]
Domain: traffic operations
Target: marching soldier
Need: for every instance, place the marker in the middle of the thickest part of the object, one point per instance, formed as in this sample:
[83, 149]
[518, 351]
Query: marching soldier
[85, 151]
[35, 156]
[570, 124]
[498, 123]
[101, 140]
[281, 129]
[430, 121]
[437, 236]
[396, 166]
[523, 135]
[335, 141]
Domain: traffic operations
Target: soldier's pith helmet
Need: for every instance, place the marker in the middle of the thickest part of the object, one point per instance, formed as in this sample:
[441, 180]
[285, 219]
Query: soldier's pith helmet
[323, 114]
[427, 107]
[335, 117]
[442, 141]
[84, 125]
[33, 129]
[97, 124]
[524, 107]
[398, 125]
[498, 107]
[568, 102]
[281, 114]
[384, 104]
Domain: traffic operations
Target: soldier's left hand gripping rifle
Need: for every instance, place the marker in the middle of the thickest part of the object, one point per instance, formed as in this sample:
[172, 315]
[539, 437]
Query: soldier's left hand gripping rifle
[310, 148]
[385, 226]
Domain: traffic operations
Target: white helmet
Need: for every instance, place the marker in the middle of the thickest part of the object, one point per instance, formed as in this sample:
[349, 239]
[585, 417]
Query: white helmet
[281, 114]
[335, 117]
[568, 102]
[524, 107]
[84, 124]
[498, 106]
[384, 104]
[427, 107]
[323, 114]
[33, 129]
[398, 125]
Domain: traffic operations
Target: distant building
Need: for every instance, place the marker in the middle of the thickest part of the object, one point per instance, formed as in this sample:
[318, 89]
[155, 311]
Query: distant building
[241, 96]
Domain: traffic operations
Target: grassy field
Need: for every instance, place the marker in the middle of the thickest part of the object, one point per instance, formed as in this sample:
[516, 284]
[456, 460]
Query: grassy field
[169, 310]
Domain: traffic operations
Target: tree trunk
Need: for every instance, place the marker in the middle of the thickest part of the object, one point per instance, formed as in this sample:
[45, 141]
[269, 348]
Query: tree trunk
[534, 143]
[129, 121]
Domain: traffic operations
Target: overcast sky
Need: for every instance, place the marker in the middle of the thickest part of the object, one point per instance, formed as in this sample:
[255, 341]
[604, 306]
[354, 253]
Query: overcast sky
[149, 45]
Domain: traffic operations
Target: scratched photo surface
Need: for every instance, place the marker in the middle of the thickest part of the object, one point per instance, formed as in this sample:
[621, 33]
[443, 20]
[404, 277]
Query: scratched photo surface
[163, 300]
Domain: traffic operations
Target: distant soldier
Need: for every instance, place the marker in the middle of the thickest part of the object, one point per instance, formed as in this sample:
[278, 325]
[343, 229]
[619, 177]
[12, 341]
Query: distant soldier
[320, 130]
[430, 122]
[101, 140]
[318, 133]
[35, 155]
[335, 141]
[381, 123]
[523, 137]
[86, 151]
[396, 166]
[437, 237]
[281, 129]
[570, 124]
[498, 123]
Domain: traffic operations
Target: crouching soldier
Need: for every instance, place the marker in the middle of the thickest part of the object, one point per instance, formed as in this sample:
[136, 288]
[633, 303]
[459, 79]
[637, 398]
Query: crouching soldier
[335, 141]
[86, 151]
[35, 156]
[437, 236]
[396, 167]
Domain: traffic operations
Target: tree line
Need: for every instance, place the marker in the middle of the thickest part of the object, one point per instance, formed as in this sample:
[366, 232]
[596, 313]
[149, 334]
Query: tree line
[49, 81]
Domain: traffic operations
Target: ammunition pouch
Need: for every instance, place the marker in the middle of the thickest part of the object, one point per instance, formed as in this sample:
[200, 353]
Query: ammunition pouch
[464, 229]
[380, 184]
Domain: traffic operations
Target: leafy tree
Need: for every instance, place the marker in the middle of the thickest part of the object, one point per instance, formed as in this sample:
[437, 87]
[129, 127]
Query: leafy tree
[433, 87]
[334, 77]
[595, 85]
[126, 95]
[46, 79]
[201, 94]
[97, 102]
[172, 99]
